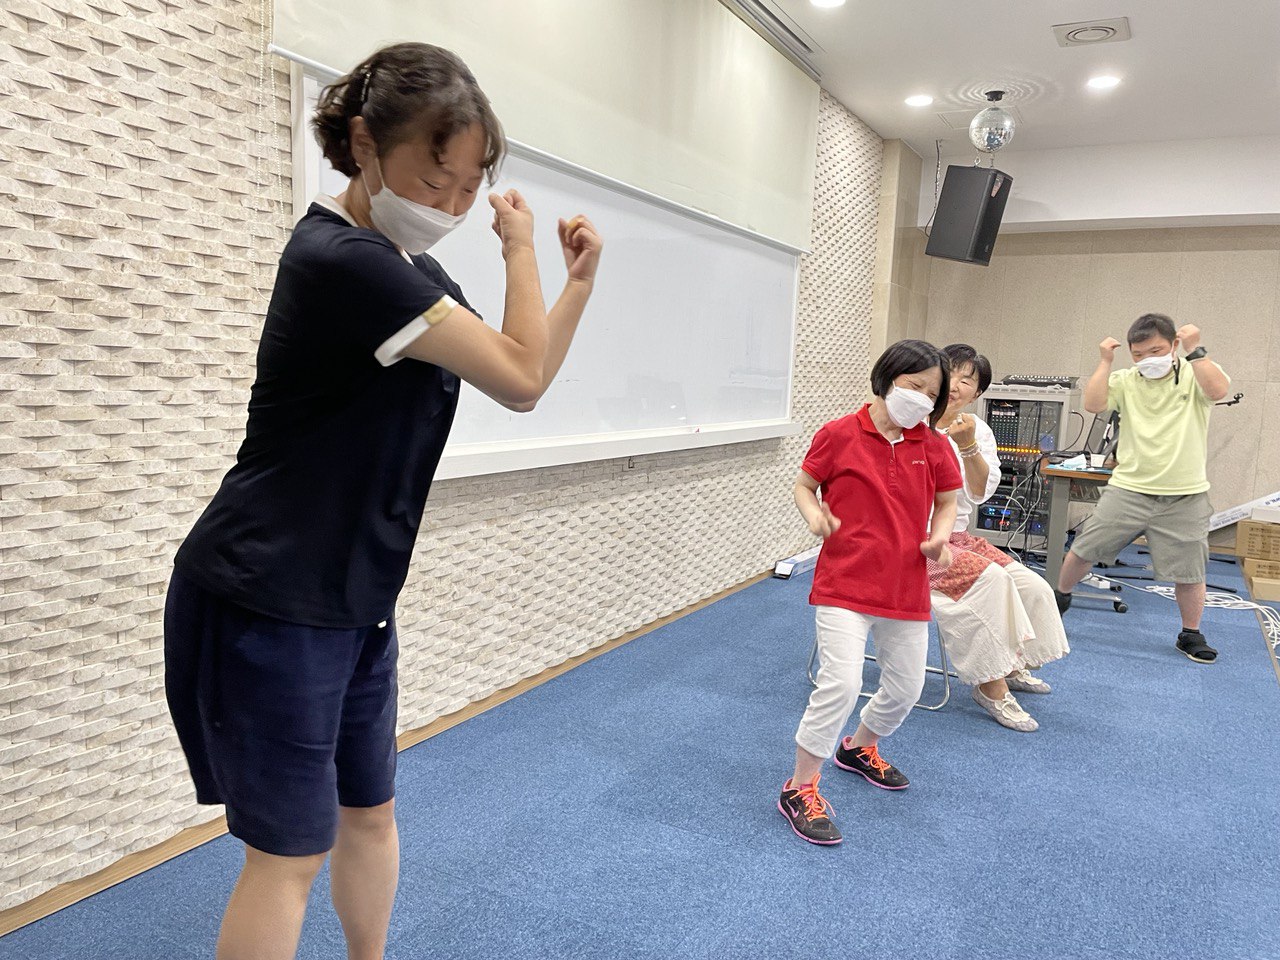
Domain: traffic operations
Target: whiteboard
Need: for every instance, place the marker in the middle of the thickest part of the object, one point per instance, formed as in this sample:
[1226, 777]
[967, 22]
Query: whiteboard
[687, 340]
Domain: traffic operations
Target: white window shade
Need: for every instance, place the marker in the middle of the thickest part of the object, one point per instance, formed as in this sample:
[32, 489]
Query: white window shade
[677, 97]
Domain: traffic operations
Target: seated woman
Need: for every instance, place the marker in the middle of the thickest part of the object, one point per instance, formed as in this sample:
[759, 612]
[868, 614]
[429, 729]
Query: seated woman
[999, 618]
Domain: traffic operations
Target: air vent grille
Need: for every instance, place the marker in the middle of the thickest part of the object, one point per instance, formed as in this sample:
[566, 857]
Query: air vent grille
[780, 30]
[1092, 31]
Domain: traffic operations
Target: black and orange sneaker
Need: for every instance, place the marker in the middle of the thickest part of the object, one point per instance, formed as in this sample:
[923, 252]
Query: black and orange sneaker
[868, 762]
[809, 814]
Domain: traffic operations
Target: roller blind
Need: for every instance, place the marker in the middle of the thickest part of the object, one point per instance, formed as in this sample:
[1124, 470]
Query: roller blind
[677, 97]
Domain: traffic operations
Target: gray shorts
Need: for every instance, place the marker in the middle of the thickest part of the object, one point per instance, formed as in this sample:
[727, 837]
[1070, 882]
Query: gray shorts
[1176, 528]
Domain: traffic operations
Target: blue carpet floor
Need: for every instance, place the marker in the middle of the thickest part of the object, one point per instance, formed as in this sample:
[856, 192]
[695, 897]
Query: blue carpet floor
[626, 810]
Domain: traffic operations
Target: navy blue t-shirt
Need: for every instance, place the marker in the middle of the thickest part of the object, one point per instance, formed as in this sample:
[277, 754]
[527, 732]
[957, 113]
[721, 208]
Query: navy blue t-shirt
[316, 522]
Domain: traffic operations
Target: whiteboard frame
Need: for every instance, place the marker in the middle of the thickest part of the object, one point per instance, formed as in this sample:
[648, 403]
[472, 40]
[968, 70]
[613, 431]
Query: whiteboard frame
[481, 459]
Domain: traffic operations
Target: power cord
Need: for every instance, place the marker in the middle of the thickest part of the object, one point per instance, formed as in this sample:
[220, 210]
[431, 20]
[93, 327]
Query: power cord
[937, 184]
[1080, 432]
[1268, 616]
[1035, 494]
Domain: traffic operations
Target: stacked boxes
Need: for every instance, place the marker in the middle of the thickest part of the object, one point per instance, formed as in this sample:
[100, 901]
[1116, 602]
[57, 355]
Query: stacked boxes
[1258, 546]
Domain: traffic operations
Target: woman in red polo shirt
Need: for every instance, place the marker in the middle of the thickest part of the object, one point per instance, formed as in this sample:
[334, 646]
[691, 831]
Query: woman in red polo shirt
[883, 474]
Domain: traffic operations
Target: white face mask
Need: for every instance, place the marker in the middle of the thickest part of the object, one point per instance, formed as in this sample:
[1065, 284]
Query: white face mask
[1153, 368]
[907, 408]
[414, 227]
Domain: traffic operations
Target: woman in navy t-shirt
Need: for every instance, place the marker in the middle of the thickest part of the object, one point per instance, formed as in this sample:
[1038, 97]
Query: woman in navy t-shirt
[280, 646]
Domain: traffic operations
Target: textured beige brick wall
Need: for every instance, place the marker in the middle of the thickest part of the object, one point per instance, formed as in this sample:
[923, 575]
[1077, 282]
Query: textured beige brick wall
[142, 158]
[138, 231]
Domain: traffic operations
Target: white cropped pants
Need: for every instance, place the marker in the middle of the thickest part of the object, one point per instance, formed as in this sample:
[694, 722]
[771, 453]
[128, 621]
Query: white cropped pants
[901, 649]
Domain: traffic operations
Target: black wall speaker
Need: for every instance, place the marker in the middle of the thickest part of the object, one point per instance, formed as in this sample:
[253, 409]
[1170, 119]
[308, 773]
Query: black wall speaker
[968, 215]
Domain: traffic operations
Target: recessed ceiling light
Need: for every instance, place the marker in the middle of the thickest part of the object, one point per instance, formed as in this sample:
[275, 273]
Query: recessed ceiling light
[1104, 83]
[827, 3]
[919, 100]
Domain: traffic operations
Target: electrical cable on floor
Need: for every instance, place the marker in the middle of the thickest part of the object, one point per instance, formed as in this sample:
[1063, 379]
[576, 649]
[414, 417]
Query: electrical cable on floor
[1268, 616]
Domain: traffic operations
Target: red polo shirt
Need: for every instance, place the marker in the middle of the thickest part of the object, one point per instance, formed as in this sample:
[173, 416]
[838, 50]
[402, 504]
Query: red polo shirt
[882, 493]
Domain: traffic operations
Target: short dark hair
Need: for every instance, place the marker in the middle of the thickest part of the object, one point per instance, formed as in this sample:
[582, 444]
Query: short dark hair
[962, 355]
[1151, 325]
[405, 91]
[912, 356]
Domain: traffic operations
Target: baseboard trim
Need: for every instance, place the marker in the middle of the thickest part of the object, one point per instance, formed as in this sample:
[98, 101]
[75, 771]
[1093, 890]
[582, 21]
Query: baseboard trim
[441, 724]
[127, 867]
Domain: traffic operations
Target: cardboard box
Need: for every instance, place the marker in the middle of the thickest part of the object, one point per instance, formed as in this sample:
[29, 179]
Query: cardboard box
[1266, 569]
[1262, 578]
[1262, 589]
[1258, 540]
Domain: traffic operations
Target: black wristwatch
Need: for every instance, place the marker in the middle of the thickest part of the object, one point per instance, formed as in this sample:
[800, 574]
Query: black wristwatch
[1199, 353]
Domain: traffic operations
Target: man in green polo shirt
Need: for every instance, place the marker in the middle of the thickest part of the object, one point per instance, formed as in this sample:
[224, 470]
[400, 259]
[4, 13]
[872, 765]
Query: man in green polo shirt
[1159, 487]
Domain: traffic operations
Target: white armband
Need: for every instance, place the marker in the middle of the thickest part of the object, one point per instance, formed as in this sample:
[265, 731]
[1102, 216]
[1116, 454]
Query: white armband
[394, 346]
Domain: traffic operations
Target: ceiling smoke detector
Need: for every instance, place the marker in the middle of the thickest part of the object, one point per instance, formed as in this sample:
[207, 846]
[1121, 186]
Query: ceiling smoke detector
[1092, 31]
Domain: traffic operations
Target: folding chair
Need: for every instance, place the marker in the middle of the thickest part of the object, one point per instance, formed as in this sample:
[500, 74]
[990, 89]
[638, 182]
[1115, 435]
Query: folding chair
[944, 671]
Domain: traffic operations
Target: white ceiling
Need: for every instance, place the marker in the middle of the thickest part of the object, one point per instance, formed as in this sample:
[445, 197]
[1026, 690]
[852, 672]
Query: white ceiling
[1193, 70]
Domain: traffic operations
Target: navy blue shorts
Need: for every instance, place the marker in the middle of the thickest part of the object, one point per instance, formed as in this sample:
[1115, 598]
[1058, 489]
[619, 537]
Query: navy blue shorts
[279, 721]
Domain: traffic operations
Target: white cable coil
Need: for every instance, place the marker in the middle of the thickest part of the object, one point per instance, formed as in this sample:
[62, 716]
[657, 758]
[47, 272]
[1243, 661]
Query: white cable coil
[1268, 617]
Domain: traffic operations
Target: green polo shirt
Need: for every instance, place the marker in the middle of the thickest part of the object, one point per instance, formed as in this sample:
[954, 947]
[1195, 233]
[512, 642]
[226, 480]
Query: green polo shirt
[1164, 432]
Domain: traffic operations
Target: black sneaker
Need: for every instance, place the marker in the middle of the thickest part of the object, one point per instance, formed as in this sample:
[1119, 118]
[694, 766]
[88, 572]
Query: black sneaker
[868, 762]
[1064, 600]
[1193, 646]
[808, 814]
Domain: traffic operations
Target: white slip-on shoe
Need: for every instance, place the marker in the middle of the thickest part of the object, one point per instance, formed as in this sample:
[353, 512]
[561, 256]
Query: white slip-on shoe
[1024, 681]
[1006, 712]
